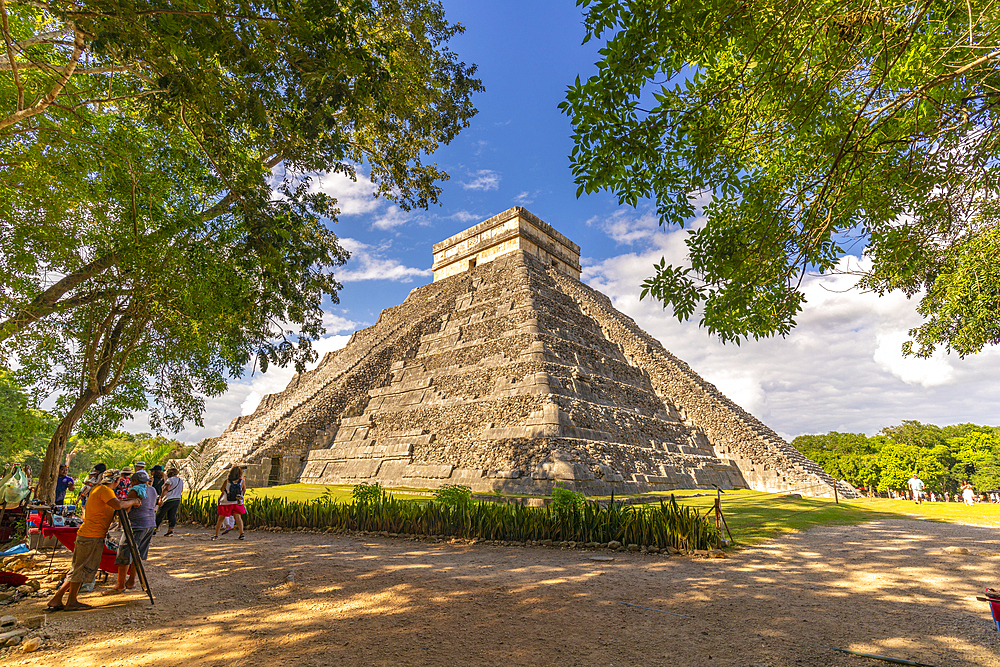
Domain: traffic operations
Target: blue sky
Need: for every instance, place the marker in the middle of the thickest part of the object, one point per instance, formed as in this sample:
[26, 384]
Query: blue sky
[841, 369]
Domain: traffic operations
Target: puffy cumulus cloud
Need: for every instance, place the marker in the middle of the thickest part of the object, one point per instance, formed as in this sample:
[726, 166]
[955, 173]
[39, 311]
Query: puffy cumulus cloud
[244, 395]
[393, 217]
[335, 323]
[275, 380]
[841, 368]
[368, 263]
[484, 180]
[465, 216]
[353, 197]
[357, 198]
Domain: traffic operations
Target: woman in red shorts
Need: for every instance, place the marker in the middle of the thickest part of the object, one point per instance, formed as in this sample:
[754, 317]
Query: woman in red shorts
[231, 503]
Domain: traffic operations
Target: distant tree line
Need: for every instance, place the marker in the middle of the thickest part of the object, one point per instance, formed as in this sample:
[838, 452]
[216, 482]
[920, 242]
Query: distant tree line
[942, 456]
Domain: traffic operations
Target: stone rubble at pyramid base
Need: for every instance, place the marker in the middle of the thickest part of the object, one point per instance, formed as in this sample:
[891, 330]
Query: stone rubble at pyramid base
[511, 377]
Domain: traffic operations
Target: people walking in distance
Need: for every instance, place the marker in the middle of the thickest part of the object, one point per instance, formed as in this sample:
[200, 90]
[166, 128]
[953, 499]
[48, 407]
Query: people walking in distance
[916, 488]
[968, 495]
[231, 503]
[173, 489]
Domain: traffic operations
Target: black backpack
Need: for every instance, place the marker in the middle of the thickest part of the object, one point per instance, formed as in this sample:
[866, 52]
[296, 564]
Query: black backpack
[234, 491]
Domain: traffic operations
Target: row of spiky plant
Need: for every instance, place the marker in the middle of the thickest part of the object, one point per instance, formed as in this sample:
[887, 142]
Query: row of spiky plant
[662, 525]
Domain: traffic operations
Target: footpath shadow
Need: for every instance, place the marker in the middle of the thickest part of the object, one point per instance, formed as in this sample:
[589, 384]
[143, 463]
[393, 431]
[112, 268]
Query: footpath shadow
[299, 599]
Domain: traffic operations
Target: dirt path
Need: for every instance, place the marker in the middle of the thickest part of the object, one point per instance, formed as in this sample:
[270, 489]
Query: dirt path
[884, 587]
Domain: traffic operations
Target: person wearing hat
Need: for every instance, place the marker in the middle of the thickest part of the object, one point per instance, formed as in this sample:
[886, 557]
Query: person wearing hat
[97, 517]
[124, 483]
[93, 479]
[140, 465]
[142, 520]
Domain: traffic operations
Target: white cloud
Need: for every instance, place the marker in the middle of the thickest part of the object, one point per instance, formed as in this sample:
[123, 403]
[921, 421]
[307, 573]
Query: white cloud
[926, 372]
[391, 218]
[367, 263]
[465, 216]
[524, 198]
[336, 323]
[275, 380]
[243, 395]
[353, 197]
[484, 179]
[841, 368]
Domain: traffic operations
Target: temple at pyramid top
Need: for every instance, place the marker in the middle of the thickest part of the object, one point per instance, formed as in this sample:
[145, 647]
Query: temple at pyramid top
[516, 229]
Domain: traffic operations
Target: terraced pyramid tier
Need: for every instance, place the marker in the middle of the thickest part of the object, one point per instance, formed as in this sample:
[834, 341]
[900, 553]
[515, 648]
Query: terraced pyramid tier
[511, 376]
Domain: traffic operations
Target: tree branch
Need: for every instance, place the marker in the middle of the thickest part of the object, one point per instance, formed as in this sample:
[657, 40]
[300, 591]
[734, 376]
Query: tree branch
[10, 55]
[50, 97]
[9, 66]
[49, 301]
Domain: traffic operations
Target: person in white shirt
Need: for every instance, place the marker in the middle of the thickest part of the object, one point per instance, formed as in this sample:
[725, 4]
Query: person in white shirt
[916, 488]
[173, 488]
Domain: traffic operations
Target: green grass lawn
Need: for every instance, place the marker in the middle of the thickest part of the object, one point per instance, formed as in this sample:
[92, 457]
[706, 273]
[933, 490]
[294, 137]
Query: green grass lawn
[755, 517]
[313, 491]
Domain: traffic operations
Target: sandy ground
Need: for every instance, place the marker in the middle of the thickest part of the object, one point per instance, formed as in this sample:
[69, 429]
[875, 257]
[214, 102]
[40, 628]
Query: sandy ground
[883, 587]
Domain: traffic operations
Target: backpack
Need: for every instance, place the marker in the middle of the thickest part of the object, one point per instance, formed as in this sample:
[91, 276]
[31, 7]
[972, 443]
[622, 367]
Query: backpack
[234, 491]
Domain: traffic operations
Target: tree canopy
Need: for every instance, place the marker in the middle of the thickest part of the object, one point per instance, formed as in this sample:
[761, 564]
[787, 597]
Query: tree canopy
[158, 226]
[818, 128]
[943, 456]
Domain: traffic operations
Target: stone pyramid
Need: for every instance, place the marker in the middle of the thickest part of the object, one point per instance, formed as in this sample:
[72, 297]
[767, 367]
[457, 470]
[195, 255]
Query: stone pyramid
[508, 374]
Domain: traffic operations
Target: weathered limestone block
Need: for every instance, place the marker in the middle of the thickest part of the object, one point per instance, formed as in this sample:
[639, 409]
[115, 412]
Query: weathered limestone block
[511, 375]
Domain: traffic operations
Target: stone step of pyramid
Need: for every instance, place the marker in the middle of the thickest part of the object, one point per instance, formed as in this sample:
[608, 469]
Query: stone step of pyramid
[509, 374]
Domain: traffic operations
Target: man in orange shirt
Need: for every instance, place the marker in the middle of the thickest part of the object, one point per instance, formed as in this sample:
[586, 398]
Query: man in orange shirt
[97, 518]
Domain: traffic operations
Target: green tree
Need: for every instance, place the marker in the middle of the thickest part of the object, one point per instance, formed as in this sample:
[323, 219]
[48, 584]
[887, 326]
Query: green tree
[23, 428]
[159, 230]
[816, 127]
[978, 459]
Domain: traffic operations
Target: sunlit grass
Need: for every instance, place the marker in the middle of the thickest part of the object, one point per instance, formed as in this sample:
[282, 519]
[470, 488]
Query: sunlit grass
[303, 492]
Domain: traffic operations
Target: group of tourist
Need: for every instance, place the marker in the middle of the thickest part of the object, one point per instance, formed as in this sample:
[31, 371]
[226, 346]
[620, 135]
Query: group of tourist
[149, 501]
[915, 491]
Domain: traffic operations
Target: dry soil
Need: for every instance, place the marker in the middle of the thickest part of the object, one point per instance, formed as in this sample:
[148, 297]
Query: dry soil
[301, 599]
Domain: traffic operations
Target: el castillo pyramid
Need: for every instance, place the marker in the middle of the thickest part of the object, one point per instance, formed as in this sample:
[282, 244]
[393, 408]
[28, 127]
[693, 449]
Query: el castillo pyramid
[508, 374]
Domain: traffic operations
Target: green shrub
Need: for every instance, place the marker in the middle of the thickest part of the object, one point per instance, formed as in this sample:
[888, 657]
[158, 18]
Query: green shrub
[454, 495]
[565, 500]
[367, 494]
[661, 525]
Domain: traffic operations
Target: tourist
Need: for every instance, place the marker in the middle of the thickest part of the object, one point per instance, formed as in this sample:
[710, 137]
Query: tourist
[64, 483]
[141, 520]
[93, 479]
[917, 488]
[170, 501]
[968, 495]
[101, 507]
[124, 483]
[231, 503]
[158, 479]
[140, 465]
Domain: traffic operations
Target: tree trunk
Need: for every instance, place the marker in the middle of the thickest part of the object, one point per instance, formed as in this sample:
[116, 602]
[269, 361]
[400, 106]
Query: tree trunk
[57, 447]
